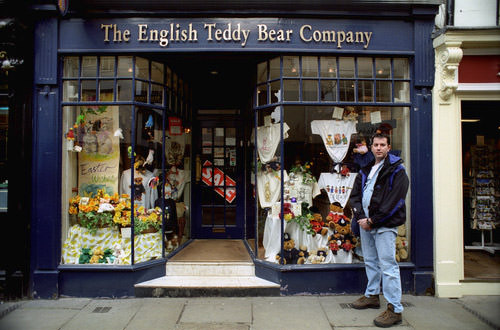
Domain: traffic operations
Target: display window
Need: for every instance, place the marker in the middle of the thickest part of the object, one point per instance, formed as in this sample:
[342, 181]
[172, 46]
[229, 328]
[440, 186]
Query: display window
[124, 168]
[312, 136]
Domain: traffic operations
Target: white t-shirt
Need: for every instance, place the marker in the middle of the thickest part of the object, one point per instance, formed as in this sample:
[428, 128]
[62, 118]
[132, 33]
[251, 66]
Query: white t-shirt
[303, 192]
[268, 139]
[337, 186]
[144, 196]
[175, 182]
[269, 187]
[336, 135]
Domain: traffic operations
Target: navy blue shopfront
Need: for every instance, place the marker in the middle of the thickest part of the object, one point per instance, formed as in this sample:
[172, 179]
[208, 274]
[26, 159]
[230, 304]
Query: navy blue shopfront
[191, 38]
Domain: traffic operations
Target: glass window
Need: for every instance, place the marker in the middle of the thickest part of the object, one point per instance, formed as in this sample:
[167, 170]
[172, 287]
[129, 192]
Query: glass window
[324, 143]
[113, 188]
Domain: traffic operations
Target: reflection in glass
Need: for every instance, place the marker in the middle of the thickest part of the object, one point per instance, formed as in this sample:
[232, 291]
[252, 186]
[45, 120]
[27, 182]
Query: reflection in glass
[346, 67]
[88, 90]
[157, 72]
[261, 94]
[346, 90]
[401, 68]
[383, 67]
[70, 90]
[309, 90]
[384, 91]
[141, 68]
[106, 90]
[261, 72]
[365, 91]
[124, 90]
[107, 66]
[328, 90]
[401, 91]
[89, 66]
[328, 67]
[309, 66]
[291, 90]
[365, 67]
[290, 66]
[125, 66]
[70, 67]
[274, 68]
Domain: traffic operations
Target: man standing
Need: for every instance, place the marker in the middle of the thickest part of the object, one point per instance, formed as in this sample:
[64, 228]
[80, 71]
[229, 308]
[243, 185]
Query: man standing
[378, 202]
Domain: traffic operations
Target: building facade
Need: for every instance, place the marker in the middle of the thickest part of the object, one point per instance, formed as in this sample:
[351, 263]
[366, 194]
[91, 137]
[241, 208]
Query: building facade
[191, 120]
[466, 100]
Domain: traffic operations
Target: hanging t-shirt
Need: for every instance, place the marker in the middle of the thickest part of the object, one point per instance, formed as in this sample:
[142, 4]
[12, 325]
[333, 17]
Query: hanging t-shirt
[144, 194]
[175, 181]
[337, 186]
[269, 187]
[303, 192]
[336, 135]
[268, 139]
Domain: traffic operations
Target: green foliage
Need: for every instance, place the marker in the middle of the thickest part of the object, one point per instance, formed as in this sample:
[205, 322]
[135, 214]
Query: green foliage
[94, 220]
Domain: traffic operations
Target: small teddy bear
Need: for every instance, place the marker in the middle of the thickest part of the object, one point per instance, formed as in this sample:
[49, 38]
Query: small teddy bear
[317, 223]
[318, 257]
[303, 255]
[290, 252]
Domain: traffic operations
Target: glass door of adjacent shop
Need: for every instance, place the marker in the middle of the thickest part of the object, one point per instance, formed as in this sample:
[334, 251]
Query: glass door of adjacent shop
[218, 190]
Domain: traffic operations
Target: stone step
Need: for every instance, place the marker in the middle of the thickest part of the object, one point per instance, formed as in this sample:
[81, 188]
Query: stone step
[242, 268]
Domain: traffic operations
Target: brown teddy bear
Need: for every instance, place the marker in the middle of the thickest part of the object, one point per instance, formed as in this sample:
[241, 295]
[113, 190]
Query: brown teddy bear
[303, 255]
[318, 256]
[290, 252]
[317, 223]
[343, 234]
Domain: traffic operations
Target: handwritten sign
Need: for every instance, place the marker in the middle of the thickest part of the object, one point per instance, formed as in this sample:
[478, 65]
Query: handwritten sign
[215, 178]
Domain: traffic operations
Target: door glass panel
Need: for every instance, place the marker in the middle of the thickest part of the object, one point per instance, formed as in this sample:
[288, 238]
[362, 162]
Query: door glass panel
[219, 137]
[230, 216]
[230, 136]
[206, 136]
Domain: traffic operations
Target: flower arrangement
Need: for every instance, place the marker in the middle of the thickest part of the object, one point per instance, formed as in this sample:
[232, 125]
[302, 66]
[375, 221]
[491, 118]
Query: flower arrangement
[305, 170]
[147, 221]
[94, 211]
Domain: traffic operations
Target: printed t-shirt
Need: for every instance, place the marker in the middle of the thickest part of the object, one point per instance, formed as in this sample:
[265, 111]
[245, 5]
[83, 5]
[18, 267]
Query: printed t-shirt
[337, 186]
[268, 139]
[269, 187]
[336, 136]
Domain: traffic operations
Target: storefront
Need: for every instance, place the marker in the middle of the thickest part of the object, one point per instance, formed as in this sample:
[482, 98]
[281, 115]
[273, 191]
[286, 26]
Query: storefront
[466, 137]
[153, 130]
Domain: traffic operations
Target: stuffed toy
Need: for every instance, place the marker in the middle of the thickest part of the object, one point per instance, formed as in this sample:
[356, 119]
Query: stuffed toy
[317, 223]
[401, 249]
[303, 255]
[343, 233]
[334, 244]
[344, 170]
[336, 213]
[287, 211]
[318, 256]
[290, 252]
[138, 188]
[361, 147]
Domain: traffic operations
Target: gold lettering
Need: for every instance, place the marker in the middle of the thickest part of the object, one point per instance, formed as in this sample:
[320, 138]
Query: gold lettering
[301, 33]
[262, 35]
[349, 38]
[126, 35]
[368, 36]
[340, 38]
[142, 32]
[210, 27]
[106, 28]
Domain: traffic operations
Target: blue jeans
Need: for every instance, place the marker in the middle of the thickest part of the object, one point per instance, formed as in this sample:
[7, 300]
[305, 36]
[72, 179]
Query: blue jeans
[379, 253]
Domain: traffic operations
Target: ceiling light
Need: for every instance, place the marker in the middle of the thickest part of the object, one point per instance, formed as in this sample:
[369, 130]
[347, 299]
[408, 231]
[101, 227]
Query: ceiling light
[470, 120]
[214, 72]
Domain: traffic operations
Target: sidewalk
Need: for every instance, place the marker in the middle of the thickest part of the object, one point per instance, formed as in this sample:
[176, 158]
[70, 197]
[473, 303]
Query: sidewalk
[290, 312]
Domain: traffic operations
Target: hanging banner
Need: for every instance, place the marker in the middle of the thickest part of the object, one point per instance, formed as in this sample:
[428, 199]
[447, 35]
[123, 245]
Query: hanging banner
[217, 179]
[174, 126]
[98, 162]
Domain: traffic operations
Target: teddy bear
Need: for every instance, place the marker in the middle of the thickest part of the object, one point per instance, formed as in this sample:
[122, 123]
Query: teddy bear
[318, 256]
[303, 255]
[401, 248]
[290, 252]
[343, 233]
[334, 244]
[138, 188]
[336, 213]
[361, 147]
[317, 223]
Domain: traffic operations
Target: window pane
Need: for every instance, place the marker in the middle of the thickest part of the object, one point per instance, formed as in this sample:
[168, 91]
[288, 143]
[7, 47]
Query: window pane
[383, 67]
[141, 91]
[261, 72]
[70, 90]
[365, 91]
[70, 67]
[328, 90]
[290, 66]
[384, 91]
[291, 90]
[141, 68]
[124, 90]
[346, 67]
[107, 66]
[125, 66]
[346, 90]
[274, 68]
[309, 66]
[157, 94]
[157, 72]
[328, 67]
[365, 67]
[401, 91]
[275, 91]
[169, 77]
[89, 66]
[106, 90]
[401, 68]
[89, 90]
[309, 90]
[261, 95]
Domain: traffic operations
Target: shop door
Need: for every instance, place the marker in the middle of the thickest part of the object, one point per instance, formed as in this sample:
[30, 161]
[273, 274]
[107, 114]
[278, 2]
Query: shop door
[218, 194]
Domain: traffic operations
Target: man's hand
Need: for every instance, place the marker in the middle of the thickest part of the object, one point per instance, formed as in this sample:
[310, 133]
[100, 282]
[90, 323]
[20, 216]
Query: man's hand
[365, 223]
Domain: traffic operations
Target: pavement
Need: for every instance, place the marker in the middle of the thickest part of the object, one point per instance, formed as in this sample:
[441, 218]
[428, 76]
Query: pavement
[227, 313]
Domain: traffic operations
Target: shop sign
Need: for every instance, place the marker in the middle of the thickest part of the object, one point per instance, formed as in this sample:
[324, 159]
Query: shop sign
[231, 33]
[217, 179]
[174, 126]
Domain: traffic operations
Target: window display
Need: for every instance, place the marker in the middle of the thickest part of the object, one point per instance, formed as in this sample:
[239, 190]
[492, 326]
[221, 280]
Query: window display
[304, 178]
[115, 168]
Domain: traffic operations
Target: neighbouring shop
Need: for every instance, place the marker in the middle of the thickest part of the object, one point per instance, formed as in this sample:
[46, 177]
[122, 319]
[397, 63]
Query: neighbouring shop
[153, 130]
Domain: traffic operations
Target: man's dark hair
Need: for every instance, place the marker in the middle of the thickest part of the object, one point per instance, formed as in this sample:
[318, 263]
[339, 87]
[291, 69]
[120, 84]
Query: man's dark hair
[381, 136]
